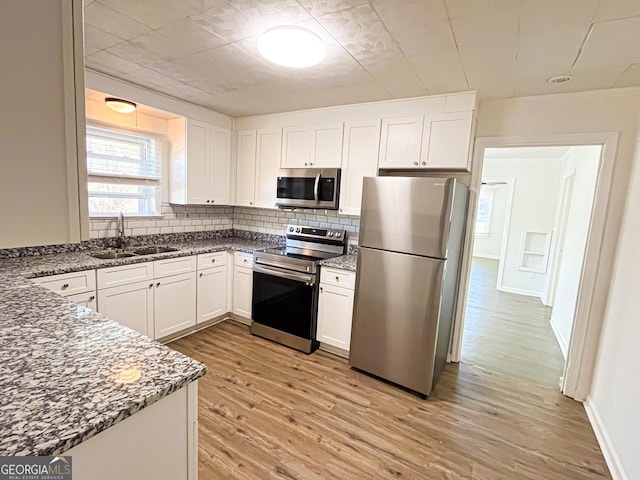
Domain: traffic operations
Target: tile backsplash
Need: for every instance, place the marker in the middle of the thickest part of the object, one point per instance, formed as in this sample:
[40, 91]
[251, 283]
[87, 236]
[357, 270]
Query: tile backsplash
[175, 219]
[182, 219]
[274, 221]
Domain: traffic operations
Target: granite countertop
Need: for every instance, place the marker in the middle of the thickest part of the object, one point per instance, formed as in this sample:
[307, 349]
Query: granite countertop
[345, 262]
[68, 373]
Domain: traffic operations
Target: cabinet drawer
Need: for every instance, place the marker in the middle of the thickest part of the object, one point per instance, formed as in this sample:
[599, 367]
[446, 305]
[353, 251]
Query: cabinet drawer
[242, 259]
[174, 266]
[87, 299]
[210, 260]
[70, 283]
[124, 274]
[339, 278]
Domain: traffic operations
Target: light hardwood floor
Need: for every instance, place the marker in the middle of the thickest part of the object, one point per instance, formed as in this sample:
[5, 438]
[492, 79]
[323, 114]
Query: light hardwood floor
[508, 333]
[269, 412]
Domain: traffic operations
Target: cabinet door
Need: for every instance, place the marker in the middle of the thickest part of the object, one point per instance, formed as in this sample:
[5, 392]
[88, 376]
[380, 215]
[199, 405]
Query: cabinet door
[297, 147]
[359, 160]
[174, 303]
[335, 310]
[269, 145]
[400, 142]
[197, 161]
[131, 305]
[87, 299]
[246, 168]
[242, 291]
[220, 166]
[212, 293]
[446, 141]
[327, 144]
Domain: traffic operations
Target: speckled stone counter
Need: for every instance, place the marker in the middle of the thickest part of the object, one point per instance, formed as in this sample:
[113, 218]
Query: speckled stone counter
[345, 262]
[68, 373]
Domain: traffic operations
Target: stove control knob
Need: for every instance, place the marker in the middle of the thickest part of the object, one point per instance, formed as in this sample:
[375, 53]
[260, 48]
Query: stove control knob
[338, 234]
[291, 229]
[297, 229]
[331, 234]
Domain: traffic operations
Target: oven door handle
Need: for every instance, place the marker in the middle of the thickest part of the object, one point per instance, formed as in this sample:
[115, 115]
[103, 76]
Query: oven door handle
[315, 189]
[277, 272]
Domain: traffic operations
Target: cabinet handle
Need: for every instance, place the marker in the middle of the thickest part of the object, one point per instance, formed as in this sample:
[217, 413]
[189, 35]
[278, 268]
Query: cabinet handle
[415, 163]
[158, 284]
[151, 285]
[92, 298]
[424, 163]
[66, 285]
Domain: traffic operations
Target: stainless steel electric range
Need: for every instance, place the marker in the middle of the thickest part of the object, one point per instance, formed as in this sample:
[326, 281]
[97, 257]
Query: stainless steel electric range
[285, 285]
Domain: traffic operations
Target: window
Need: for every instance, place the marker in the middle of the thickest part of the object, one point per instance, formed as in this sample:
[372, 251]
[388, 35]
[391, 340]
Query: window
[485, 205]
[123, 172]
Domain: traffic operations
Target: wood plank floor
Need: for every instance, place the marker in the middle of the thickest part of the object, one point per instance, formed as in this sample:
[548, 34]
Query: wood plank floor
[508, 333]
[269, 412]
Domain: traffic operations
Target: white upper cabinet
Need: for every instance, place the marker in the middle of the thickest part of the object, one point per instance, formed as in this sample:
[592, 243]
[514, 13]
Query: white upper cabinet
[312, 146]
[246, 168]
[258, 161]
[268, 152]
[446, 140]
[433, 141]
[200, 163]
[359, 160]
[400, 142]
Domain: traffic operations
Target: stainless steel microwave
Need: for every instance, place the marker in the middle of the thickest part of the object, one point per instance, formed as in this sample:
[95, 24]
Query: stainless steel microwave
[308, 188]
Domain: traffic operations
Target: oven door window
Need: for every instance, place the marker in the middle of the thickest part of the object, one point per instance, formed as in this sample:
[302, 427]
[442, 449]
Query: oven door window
[283, 304]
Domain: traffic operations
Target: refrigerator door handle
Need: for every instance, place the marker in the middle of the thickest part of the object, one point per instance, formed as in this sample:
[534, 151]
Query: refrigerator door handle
[315, 188]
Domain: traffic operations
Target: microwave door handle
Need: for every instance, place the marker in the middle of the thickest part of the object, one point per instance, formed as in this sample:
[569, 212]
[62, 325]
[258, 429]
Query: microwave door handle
[316, 185]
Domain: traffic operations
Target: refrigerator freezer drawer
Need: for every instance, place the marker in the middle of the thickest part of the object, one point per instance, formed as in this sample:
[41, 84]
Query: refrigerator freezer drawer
[396, 317]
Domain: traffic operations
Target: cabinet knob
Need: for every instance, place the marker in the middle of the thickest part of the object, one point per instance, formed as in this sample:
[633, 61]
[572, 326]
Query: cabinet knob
[66, 285]
[201, 274]
[151, 285]
[321, 290]
[305, 164]
[207, 201]
[213, 260]
[158, 284]
[211, 201]
[424, 163]
[245, 260]
[337, 278]
[310, 163]
[92, 298]
[415, 163]
[250, 203]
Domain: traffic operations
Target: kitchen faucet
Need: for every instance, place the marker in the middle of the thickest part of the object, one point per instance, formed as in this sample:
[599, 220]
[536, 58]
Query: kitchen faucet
[123, 242]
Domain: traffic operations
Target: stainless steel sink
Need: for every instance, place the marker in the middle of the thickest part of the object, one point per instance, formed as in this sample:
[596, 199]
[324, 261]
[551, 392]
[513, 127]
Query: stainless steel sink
[112, 255]
[153, 250]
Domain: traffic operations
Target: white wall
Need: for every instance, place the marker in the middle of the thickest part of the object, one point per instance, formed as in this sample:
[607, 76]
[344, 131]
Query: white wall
[582, 163]
[535, 199]
[490, 245]
[614, 401]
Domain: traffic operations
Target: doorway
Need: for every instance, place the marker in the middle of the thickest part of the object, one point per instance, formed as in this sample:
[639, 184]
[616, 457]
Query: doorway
[534, 207]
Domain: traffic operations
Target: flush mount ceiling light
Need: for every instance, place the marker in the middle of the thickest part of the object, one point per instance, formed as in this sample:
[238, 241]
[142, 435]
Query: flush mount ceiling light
[292, 47]
[560, 79]
[119, 105]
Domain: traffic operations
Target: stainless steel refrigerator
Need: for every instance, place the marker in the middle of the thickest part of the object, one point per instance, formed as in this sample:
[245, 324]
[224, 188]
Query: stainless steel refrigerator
[411, 236]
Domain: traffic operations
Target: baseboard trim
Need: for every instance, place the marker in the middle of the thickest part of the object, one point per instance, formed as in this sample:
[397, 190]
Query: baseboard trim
[608, 451]
[517, 291]
[334, 350]
[483, 255]
[564, 347]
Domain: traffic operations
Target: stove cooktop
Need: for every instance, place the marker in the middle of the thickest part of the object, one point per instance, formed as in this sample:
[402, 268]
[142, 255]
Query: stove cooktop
[301, 254]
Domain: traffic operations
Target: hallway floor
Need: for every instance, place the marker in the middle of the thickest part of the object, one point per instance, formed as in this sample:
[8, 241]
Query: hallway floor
[508, 333]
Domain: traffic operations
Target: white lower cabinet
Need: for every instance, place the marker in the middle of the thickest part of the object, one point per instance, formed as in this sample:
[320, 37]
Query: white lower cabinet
[88, 299]
[335, 309]
[242, 284]
[213, 286]
[131, 305]
[78, 287]
[174, 303]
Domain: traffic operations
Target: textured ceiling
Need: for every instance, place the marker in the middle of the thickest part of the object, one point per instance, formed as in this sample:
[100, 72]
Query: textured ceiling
[205, 51]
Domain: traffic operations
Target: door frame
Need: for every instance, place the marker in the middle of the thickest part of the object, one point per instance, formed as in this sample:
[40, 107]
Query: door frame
[592, 298]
